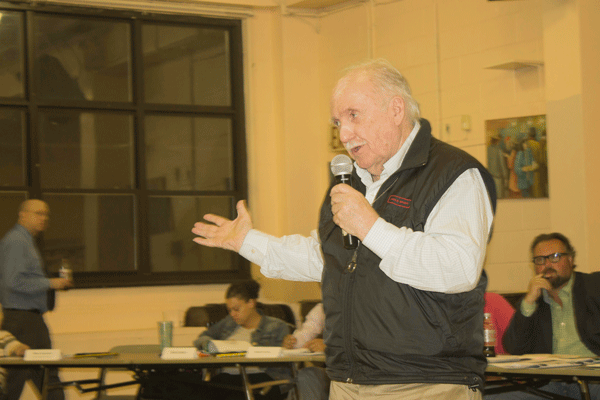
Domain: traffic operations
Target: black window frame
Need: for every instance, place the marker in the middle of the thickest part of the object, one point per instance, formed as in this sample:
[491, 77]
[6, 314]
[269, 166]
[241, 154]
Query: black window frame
[143, 276]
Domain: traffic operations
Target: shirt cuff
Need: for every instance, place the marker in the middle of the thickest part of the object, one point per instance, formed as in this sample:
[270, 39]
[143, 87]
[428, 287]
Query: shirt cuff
[528, 309]
[255, 246]
[381, 237]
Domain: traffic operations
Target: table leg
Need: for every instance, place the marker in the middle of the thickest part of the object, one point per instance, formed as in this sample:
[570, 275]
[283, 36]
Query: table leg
[583, 387]
[45, 376]
[247, 387]
[295, 380]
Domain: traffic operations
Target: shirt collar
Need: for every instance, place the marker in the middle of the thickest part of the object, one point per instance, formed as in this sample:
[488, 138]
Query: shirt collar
[393, 163]
[564, 292]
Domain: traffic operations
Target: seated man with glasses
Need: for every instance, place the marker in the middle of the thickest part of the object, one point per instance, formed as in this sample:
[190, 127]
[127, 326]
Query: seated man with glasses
[560, 314]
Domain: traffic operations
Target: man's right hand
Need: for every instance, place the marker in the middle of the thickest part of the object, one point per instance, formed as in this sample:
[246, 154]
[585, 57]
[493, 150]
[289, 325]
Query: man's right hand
[289, 341]
[60, 283]
[536, 285]
[223, 232]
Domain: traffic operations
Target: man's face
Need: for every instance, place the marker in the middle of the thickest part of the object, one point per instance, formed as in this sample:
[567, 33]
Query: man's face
[240, 309]
[369, 129]
[558, 273]
[34, 217]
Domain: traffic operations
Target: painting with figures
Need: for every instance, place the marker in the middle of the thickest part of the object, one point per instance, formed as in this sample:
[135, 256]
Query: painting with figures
[517, 156]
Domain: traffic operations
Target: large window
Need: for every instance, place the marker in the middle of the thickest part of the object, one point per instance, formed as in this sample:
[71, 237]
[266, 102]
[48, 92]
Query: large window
[131, 127]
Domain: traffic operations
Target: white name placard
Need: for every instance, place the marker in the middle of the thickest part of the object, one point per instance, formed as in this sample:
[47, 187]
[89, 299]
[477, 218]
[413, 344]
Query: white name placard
[263, 352]
[179, 353]
[42, 355]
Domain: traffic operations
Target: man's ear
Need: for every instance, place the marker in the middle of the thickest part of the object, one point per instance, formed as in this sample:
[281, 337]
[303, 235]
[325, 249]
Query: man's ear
[397, 109]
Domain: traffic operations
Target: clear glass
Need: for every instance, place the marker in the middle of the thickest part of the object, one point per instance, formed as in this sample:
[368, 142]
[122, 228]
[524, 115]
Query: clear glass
[186, 153]
[79, 58]
[86, 150]
[93, 232]
[186, 65]
[9, 204]
[12, 69]
[12, 147]
[171, 245]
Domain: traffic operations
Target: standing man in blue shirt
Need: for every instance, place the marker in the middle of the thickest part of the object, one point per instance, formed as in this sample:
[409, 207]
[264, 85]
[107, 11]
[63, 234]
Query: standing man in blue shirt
[24, 290]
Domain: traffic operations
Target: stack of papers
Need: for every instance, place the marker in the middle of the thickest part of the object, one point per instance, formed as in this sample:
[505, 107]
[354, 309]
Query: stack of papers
[542, 361]
[224, 348]
[227, 346]
[303, 351]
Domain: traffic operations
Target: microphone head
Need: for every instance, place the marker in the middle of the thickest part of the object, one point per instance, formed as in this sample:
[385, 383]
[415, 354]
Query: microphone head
[341, 165]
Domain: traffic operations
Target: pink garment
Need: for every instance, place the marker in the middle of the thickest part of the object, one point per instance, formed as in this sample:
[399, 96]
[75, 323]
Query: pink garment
[502, 312]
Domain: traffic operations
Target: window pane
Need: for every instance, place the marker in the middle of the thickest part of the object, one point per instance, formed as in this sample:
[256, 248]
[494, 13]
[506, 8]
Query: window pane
[85, 150]
[94, 232]
[186, 65]
[171, 245]
[12, 167]
[80, 58]
[189, 153]
[9, 204]
[11, 54]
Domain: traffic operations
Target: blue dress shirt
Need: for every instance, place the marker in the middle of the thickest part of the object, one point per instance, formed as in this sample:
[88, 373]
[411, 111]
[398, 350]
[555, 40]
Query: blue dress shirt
[23, 281]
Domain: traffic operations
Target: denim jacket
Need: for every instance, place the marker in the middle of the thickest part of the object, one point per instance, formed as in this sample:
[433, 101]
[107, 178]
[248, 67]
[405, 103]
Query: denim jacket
[270, 332]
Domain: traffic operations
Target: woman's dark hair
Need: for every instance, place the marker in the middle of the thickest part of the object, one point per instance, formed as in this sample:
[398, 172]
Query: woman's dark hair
[247, 290]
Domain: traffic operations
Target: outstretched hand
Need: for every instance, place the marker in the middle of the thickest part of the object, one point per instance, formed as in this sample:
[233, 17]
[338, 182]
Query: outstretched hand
[223, 232]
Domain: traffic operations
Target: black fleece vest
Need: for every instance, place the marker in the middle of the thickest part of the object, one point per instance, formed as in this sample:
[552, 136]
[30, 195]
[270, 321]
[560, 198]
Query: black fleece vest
[379, 331]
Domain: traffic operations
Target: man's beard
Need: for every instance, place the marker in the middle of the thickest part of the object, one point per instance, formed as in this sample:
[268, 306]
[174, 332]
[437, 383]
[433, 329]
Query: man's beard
[557, 281]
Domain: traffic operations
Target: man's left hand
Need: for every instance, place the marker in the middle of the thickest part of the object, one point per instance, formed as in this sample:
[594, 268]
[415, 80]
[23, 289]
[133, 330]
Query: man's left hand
[315, 345]
[351, 211]
[19, 349]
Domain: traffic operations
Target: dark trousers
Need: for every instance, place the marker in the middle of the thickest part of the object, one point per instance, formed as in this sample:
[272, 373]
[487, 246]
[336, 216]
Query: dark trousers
[236, 380]
[30, 328]
[179, 385]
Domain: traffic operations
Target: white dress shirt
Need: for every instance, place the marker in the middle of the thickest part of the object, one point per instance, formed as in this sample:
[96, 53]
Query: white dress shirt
[446, 257]
[313, 326]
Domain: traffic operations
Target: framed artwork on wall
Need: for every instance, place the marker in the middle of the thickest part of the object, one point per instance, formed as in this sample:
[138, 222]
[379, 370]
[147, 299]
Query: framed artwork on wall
[517, 156]
[335, 143]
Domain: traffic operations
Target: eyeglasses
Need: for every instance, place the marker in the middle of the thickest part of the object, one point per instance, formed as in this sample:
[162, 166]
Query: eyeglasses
[554, 258]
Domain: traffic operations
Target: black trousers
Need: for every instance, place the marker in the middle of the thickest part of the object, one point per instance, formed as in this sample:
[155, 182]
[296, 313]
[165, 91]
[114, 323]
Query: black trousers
[30, 328]
[180, 385]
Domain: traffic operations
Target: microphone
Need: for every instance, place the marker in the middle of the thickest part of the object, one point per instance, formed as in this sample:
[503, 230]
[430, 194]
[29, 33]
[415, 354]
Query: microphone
[341, 168]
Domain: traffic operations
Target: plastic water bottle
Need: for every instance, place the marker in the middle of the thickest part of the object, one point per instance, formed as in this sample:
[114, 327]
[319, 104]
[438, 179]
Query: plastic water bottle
[65, 270]
[489, 336]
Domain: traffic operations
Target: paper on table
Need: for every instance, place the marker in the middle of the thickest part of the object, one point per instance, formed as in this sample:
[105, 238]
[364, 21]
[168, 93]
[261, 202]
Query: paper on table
[539, 361]
[506, 358]
[179, 353]
[303, 351]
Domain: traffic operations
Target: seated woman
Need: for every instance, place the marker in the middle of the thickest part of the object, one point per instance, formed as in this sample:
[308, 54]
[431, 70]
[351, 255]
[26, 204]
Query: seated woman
[246, 323]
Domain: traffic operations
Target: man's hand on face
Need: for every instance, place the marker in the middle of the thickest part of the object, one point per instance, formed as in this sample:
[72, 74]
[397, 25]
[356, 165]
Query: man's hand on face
[536, 285]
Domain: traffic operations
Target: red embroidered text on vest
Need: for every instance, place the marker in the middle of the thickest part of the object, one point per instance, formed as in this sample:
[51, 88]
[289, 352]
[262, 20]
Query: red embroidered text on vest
[399, 201]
